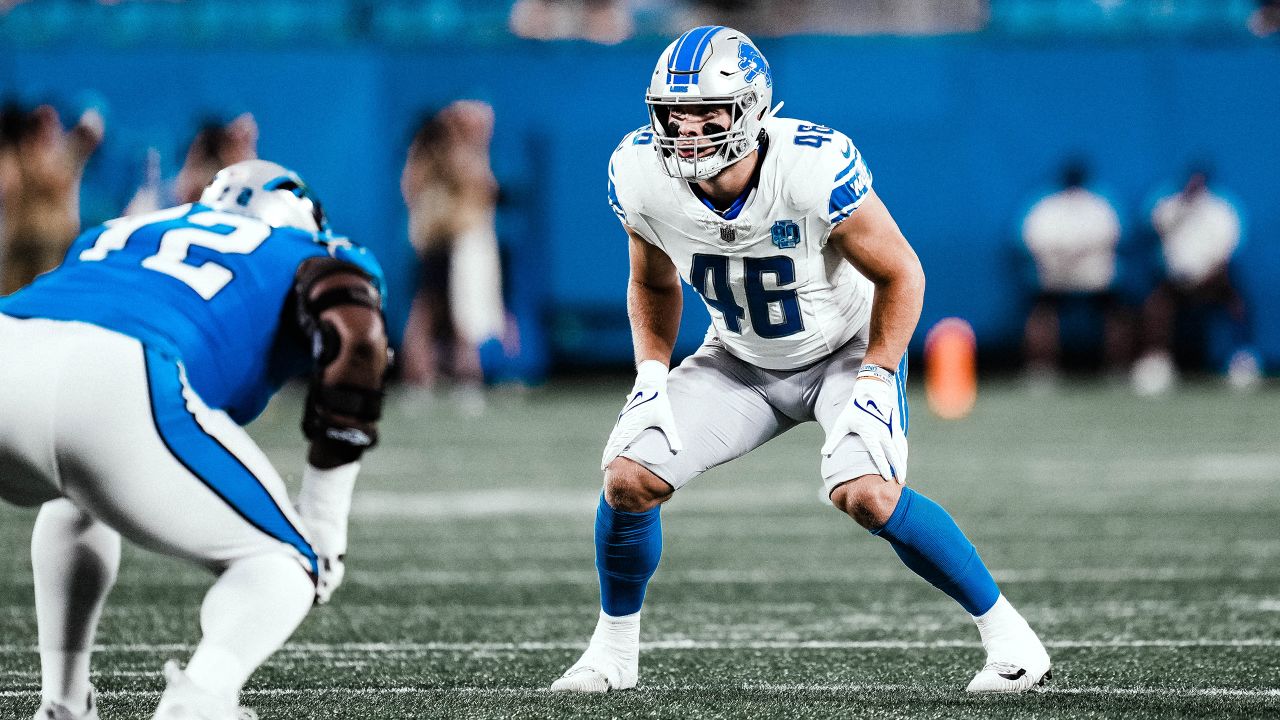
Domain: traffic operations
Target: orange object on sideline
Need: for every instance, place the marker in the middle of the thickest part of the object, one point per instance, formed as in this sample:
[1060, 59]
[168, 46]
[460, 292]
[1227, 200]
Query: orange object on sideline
[951, 368]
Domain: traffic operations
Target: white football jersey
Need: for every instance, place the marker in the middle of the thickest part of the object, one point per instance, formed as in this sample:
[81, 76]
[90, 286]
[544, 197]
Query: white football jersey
[779, 297]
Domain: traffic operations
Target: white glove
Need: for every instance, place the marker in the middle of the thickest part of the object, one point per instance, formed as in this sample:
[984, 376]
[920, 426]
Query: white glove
[648, 406]
[324, 503]
[873, 415]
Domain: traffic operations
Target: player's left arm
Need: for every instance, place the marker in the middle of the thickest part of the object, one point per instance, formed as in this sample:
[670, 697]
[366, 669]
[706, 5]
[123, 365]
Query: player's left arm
[340, 312]
[871, 241]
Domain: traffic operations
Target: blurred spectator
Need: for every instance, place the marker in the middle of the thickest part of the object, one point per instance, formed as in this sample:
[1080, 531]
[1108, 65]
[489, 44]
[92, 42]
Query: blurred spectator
[1199, 232]
[602, 21]
[451, 193]
[1265, 21]
[1072, 236]
[41, 164]
[215, 146]
[839, 17]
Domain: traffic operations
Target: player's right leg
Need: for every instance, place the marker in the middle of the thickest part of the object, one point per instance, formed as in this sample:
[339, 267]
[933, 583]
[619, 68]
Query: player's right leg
[721, 415]
[140, 451]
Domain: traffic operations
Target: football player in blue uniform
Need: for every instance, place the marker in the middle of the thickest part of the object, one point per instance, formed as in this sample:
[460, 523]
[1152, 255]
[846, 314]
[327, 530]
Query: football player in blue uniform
[814, 294]
[125, 376]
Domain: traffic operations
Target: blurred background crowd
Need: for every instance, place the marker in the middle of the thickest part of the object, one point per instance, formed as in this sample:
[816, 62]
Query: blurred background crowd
[1090, 183]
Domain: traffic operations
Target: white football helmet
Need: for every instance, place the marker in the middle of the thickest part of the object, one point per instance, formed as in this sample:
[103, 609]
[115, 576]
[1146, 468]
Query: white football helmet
[269, 192]
[710, 65]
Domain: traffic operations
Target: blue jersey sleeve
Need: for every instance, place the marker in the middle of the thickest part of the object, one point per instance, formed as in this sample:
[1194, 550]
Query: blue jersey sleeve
[360, 256]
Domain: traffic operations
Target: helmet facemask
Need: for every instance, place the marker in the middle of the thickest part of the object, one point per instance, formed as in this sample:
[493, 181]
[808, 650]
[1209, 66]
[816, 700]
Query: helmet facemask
[727, 145]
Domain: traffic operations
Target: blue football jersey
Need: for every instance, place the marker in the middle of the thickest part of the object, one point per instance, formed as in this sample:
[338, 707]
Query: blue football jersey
[207, 287]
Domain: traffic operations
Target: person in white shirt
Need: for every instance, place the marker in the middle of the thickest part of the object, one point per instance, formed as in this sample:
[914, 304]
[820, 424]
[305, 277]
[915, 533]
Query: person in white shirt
[1199, 232]
[1072, 235]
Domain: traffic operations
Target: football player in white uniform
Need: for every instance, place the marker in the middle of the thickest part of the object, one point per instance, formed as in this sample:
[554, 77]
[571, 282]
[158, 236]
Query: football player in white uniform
[814, 294]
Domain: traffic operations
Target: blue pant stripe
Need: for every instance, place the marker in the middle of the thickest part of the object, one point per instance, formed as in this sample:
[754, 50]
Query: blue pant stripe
[210, 461]
[901, 377]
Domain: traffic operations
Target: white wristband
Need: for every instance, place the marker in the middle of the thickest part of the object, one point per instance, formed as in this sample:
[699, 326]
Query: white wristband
[651, 372]
[875, 371]
[327, 493]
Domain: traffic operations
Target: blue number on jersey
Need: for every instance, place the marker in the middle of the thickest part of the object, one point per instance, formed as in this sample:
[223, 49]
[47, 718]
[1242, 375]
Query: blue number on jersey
[759, 298]
[722, 299]
[818, 134]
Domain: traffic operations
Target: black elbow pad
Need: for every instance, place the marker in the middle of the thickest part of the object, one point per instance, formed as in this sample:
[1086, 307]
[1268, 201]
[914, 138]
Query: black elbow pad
[324, 341]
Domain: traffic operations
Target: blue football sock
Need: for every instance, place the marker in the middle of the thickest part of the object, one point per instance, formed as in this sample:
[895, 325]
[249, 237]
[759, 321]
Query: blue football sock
[932, 545]
[628, 546]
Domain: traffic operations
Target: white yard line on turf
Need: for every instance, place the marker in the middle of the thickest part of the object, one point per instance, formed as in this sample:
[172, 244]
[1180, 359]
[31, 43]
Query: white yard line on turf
[369, 502]
[848, 689]
[538, 576]
[671, 644]
[403, 578]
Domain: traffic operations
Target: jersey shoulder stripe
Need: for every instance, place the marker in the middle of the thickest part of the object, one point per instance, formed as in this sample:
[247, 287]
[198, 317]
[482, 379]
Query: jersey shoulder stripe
[627, 169]
[824, 172]
[850, 187]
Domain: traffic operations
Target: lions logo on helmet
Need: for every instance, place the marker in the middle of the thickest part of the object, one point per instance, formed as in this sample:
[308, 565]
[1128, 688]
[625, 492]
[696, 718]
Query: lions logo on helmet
[269, 192]
[752, 63]
[710, 65]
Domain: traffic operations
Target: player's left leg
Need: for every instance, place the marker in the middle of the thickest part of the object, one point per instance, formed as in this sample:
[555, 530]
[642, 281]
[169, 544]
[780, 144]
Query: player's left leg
[929, 542]
[74, 558]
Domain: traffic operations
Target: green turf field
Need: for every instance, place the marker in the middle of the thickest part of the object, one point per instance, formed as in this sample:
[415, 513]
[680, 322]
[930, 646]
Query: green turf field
[1141, 538]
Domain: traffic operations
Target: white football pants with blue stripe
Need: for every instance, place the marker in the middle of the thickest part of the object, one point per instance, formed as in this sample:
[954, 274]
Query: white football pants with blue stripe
[111, 432]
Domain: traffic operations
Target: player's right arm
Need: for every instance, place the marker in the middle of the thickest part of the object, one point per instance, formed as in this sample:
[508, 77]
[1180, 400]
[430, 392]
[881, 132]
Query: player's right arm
[340, 312]
[654, 301]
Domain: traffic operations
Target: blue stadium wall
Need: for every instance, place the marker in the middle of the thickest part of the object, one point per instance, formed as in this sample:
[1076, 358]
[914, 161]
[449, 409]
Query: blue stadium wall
[960, 133]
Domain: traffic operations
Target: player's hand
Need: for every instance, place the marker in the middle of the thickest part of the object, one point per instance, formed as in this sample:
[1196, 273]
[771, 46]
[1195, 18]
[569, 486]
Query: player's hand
[329, 540]
[648, 406]
[324, 503]
[873, 415]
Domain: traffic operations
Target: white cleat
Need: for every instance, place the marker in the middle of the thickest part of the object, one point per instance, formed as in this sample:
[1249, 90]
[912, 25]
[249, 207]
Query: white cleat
[184, 700]
[612, 659]
[596, 672]
[58, 711]
[1016, 659]
[1003, 677]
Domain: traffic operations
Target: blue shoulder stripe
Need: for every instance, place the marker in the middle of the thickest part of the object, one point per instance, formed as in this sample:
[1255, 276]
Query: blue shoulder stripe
[614, 203]
[852, 164]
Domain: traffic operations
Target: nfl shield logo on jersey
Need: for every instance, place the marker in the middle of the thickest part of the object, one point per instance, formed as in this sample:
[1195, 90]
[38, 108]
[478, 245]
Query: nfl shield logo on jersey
[786, 234]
